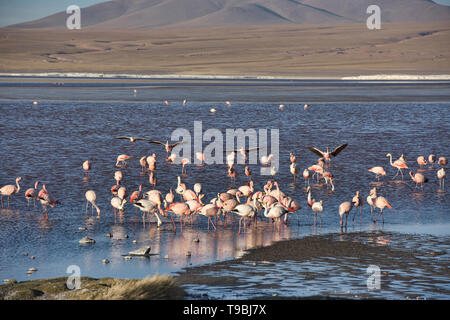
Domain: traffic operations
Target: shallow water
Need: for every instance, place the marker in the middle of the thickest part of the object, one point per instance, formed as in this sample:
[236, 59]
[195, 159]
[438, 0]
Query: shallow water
[49, 141]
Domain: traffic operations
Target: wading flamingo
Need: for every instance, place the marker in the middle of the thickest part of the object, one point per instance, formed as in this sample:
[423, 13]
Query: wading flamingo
[9, 190]
[32, 193]
[358, 202]
[441, 176]
[344, 210]
[379, 171]
[418, 178]
[399, 164]
[122, 158]
[90, 198]
[327, 154]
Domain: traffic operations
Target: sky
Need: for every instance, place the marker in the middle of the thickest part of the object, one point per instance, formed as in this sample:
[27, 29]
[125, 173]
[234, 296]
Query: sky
[16, 11]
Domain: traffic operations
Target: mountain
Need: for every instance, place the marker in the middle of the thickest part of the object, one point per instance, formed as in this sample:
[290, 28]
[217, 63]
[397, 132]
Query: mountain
[147, 14]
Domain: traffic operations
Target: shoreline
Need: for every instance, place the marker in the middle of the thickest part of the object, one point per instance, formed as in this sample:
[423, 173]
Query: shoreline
[358, 249]
[127, 76]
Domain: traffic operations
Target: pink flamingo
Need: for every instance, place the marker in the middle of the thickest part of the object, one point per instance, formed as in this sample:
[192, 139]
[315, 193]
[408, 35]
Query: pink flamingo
[292, 157]
[9, 190]
[152, 179]
[180, 209]
[46, 199]
[442, 161]
[200, 157]
[418, 178]
[306, 176]
[421, 161]
[344, 209]
[143, 163]
[399, 164]
[381, 203]
[379, 171]
[441, 177]
[247, 190]
[90, 198]
[431, 159]
[169, 198]
[358, 202]
[122, 158]
[184, 162]
[210, 210]
[156, 197]
[118, 176]
[32, 193]
[122, 193]
[244, 210]
[248, 172]
[87, 165]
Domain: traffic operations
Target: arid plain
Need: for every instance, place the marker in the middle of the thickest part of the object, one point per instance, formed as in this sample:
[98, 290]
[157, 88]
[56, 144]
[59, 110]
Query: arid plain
[269, 50]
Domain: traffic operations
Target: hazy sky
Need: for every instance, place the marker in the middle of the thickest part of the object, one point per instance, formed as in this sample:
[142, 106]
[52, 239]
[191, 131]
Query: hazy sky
[15, 11]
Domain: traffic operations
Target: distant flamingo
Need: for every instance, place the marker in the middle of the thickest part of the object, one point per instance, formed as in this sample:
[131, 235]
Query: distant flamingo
[306, 176]
[168, 147]
[358, 202]
[275, 211]
[32, 193]
[344, 210]
[399, 164]
[143, 163]
[327, 154]
[248, 172]
[292, 157]
[46, 198]
[201, 158]
[379, 171]
[294, 170]
[247, 190]
[317, 207]
[90, 198]
[197, 188]
[87, 165]
[9, 190]
[152, 179]
[132, 139]
[122, 158]
[184, 162]
[118, 176]
[418, 178]
[265, 160]
[441, 176]
[122, 193]
[442, 161]
[431, 159]
[421, 161]
[370, 199]
[244, 210]
[169, 198]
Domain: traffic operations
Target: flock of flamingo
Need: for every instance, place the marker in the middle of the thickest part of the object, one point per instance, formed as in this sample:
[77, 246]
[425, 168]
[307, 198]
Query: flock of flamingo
[244, 201]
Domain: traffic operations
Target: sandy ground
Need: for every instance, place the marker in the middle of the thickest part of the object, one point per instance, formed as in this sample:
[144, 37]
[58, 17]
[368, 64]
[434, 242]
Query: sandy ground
[302, 50]
[344, 251]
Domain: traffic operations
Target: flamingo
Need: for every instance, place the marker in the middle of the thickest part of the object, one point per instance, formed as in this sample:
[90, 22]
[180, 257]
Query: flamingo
[32, 193]
[317, 207]
[442, 161]
[132, 139]
[281, 106]
[328, 179]
[90, 198]
[418, 178]
[184, 162]
[9, 190]
[379, 171]
[248, 172]
[122, 158]
[228, 103]
[305, 107]
[421, 161]
[344, 209]
[151, 161]
[168, 147]
[399, 164]
[179, 189]
[180, 209]
[232, 172]
[118, 176]
[212, 110]
[244, 210]
[197, 188]
[306, 176]
[292, 157]
[46, 198]
[169, 198]
[265, 160]
[431, 159]
[294, 170]
[152, 179]
[184, 102]
[136, 195]
[370, 199]
[188, 194]
[316, 168]
[143, 163]
[309, 201]
[381, 203]
[200, 157]
[327, 155]
[210, 210]
[166, 102]
[358, 202]
[171, 159]
[156, 197]
[247, 190]
[122, 193]
[275, 212]
[87, 165]
[147, 206]
[118, 204]
[441, 176]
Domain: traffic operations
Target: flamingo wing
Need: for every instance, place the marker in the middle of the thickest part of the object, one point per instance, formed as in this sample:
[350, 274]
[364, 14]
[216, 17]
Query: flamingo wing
[177, 143]
[338, 149]
[123, 137]
[316, 151]
[156, 141]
